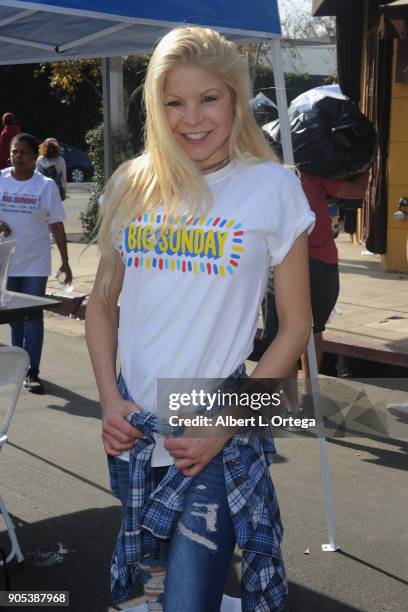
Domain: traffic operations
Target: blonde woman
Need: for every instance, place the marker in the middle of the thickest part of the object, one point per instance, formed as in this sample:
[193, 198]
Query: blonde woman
[189, 230]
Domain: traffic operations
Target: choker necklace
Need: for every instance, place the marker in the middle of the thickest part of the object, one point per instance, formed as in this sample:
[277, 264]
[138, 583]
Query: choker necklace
[216, 165]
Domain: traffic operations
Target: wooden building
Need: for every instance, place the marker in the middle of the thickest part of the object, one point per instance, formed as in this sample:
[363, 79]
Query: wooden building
[372, 55]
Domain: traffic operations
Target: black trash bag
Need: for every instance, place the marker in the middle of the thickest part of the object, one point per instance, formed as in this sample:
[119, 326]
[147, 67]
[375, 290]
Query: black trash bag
[331, 138]
[263, 108]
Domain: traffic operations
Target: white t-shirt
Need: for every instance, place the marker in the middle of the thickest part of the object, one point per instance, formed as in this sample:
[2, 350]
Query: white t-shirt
[43, 163]
[28, 207]
[190, 298]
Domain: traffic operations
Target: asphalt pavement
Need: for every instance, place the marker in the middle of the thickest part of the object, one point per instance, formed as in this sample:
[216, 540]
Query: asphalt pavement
[53, 473]
[76, 202]
[54, 481]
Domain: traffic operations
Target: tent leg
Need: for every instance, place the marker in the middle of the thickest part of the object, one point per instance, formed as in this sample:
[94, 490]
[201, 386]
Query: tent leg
[117, 100]
[113, 106]
[324, 463]
[311, 351]
[281, 101]
[107, 119]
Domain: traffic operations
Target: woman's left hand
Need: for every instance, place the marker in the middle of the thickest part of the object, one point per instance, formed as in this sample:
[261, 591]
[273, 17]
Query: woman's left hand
[191, 455]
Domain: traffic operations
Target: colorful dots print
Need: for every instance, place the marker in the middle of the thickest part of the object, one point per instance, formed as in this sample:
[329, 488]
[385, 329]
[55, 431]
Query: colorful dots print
[183, 243]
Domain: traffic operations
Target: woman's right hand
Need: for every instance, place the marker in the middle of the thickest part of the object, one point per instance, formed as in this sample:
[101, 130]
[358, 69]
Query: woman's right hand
[118, 435]
[4, 229]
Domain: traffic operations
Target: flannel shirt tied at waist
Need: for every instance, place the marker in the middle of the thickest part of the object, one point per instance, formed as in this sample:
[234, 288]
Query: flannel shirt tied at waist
[151, 514]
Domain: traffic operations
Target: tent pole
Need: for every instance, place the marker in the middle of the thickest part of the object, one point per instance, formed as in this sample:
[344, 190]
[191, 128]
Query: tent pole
[107, 122]
[281, 101]
[324, 462]
[311, 351]
[117, 100]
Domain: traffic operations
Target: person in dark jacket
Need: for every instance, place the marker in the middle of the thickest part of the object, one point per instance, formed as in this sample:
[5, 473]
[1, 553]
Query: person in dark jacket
[7, 134]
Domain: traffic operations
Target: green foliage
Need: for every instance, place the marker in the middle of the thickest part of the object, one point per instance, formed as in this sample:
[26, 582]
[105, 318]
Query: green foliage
[295, 83]
[122, 148]
[66, 76]
[41, 111]
[121, 151]
[88, 218]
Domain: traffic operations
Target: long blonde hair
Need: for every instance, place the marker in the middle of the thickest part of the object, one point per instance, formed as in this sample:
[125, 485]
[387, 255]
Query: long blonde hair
[163, 174]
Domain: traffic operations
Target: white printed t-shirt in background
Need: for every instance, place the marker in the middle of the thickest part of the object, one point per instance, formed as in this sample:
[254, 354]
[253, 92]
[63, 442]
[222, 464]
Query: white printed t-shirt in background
[28, 207]
[58, 163]
[191, 295]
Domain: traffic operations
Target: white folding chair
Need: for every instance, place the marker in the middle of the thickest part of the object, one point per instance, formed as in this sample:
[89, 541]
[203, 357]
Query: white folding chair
[14, 364]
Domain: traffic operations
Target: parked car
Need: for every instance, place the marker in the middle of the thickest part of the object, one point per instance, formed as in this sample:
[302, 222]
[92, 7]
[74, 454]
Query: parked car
[79, 164]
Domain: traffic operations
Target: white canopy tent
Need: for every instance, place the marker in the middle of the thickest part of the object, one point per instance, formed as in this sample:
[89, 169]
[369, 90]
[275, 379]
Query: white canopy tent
[52, 30]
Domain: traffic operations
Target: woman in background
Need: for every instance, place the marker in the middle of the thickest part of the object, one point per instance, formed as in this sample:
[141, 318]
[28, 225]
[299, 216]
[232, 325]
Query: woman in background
[7, 134]
[29, 206]
[51, 163]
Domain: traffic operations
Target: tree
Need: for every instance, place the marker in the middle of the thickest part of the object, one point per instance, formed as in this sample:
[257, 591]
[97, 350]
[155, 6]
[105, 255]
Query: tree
[66, 76]
[39, 109]
[298, 23]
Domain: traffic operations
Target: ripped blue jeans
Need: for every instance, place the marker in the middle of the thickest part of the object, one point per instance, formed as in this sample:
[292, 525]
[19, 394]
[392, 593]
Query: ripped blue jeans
[196, 559]
[194, 564]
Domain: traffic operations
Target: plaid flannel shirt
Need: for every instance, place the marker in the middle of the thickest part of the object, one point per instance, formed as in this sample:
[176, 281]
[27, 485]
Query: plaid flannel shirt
[151, 514]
